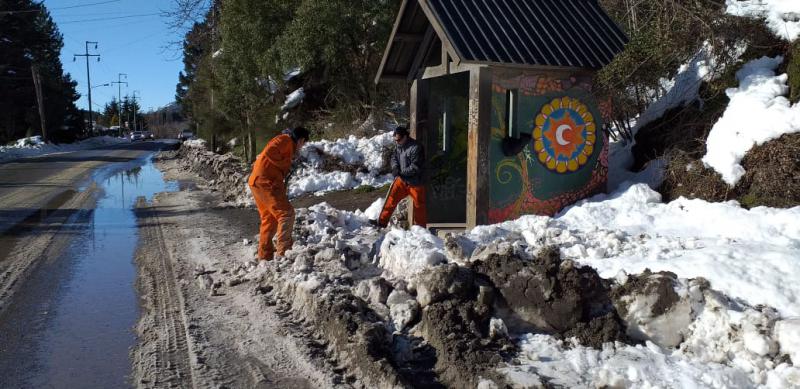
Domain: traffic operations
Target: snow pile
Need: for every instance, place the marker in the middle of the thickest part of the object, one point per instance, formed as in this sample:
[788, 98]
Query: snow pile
[199, 143]
[631, 230]
[623, 366]
[758, 112]
[406, 254]
[33, 146]
[621, 159]
[721, 338]
[226, 173]
[683, 89]
[736, 285]
[294, 99]
[782, 16]
[373, 212]
[726, 344]
[342, 164]
[32, 141]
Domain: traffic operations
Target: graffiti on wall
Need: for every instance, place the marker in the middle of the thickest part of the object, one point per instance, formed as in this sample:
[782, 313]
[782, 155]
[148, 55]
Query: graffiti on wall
[567, 158]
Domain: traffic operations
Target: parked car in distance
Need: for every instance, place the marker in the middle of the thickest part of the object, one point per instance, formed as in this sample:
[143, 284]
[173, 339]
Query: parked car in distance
[136, 135]
[185, 135]
[148, 135]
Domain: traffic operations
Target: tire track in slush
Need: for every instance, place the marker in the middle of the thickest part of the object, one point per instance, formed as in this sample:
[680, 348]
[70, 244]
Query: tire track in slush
[162, 328]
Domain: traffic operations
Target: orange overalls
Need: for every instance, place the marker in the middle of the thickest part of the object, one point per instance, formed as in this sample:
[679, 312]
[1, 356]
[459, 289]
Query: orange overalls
[400, 190]
[269, 190]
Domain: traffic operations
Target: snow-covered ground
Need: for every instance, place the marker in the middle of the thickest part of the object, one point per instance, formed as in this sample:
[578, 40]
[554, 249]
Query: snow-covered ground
[757, 113]
[199, 143]
[33, 146]
[782, 16]
[738, 270]
[738, 277]
[366, 155]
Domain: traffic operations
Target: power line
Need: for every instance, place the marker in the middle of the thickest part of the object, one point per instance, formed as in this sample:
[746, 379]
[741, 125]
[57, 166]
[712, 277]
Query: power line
[57, 8]
[86, 5]
[114, 18]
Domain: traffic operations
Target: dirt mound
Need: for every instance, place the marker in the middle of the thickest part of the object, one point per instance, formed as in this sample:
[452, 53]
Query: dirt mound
[686, 176]
[547, 294]
[654, 310]
[224, 173]
[772, 176]
[679, 136]
[456, 322]
[458, 330]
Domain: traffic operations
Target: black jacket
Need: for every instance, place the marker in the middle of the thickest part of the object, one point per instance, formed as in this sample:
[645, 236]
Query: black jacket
[408, 162]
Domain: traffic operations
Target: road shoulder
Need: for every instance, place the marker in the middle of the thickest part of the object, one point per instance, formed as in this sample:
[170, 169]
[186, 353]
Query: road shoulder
[197, 332]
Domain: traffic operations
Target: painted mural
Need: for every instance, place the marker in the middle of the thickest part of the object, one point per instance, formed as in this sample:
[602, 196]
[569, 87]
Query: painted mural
[567, 157]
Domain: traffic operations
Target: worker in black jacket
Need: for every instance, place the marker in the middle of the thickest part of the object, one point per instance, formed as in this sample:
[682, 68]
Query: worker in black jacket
[408, 166]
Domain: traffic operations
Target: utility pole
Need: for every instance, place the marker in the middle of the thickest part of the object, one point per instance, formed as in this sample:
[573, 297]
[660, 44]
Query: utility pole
[133, 108]
[88, 79]
[119, 83]
[37, 84]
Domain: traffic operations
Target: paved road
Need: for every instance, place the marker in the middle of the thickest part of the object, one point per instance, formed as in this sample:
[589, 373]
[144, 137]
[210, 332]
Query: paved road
[67, 240]
[32, 186]
[43, 198]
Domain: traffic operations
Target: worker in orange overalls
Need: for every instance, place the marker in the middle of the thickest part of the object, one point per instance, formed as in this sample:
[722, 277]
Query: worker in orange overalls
[408, 163]
[268, 184]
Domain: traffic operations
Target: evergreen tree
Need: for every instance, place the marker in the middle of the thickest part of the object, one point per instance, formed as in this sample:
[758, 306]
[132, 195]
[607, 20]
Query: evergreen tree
[28, 38]
[111, 113]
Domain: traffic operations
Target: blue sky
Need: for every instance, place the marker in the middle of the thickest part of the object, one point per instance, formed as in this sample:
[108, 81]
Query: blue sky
[135, 42]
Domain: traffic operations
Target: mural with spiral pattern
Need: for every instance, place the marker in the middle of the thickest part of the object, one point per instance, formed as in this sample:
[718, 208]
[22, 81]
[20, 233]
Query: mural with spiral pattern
[567, 158]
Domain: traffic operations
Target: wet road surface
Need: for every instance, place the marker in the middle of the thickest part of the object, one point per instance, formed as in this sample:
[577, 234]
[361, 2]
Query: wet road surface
[69, 322]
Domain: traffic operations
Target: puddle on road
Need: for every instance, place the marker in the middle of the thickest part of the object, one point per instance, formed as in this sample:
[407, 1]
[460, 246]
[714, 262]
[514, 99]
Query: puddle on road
[72, 324]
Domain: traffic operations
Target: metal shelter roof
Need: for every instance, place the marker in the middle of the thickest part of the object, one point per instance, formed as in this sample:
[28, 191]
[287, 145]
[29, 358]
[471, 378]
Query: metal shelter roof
[560, 33]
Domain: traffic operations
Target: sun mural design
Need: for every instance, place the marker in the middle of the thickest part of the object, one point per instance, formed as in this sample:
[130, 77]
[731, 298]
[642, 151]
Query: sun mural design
[565, 135]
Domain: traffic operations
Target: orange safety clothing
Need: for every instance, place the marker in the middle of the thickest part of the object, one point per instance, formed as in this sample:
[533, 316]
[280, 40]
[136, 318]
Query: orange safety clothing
[269, 191]
[277, 221]
[274, 163]
[400, 190]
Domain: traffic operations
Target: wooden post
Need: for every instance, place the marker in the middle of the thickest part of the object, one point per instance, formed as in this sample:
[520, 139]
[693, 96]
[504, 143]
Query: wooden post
[480, 110]
[417, 119]
[37, 84]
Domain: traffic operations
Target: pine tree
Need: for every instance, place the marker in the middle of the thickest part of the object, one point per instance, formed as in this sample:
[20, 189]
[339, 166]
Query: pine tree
[27, 39]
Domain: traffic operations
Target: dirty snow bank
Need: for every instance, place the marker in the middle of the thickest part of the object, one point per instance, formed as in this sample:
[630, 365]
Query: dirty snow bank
[34, 146]
[782, 16]
[345, 163]
[226, 173]
[747, 254]
[710, 337]
[200, 143]
[757, 113]
[695, 331]
[322, 167]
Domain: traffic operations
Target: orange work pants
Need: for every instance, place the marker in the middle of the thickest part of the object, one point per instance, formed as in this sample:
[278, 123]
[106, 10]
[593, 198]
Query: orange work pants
[398, 192]
[277, 219]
